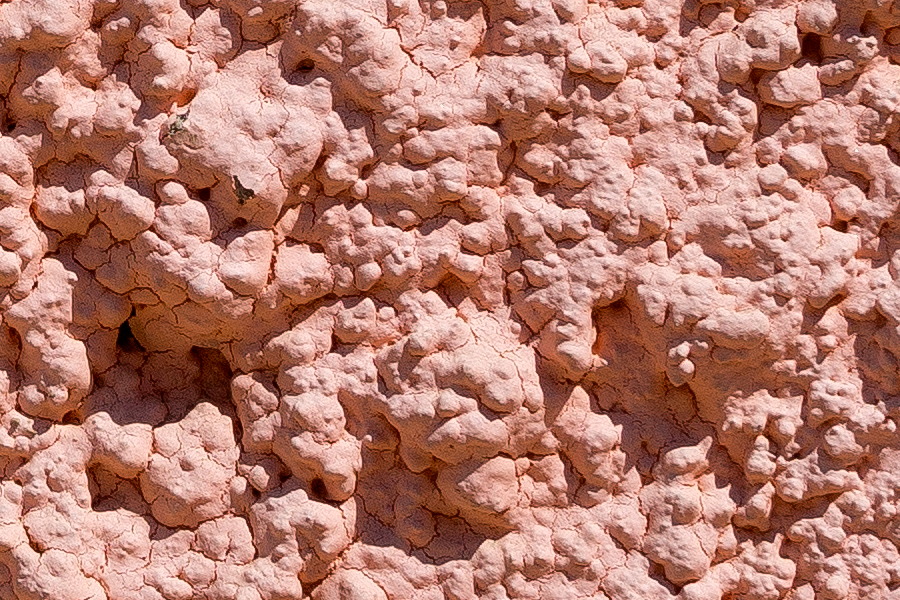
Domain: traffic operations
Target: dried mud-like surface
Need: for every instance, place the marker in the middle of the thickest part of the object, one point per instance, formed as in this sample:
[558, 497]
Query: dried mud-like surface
[449, 299]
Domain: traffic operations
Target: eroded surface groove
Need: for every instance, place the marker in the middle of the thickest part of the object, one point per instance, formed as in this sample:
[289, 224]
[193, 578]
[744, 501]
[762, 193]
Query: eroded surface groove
[449, 299]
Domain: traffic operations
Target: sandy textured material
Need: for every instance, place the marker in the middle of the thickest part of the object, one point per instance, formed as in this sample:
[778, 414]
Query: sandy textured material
[449, 300]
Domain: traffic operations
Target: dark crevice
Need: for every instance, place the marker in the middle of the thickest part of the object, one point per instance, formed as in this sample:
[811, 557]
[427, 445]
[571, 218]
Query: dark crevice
[542, 188]
[214, 383]
[870, 26]
[110, 492]
[318, 490]
[451, 290]
[214, 378]
[555, 114]
[237, 429]
[811, 48]
[366, 170]
[658, 573]
[35, 546]
[756, 75]
[338, 347]
[125, 341]
[71, 418]
[15, 340]
[702, 117]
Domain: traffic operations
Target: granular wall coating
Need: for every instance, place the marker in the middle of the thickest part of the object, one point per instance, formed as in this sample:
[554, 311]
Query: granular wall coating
[449, 300]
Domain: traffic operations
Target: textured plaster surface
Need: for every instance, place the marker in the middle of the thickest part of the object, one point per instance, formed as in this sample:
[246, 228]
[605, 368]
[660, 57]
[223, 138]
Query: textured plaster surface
[449, 299]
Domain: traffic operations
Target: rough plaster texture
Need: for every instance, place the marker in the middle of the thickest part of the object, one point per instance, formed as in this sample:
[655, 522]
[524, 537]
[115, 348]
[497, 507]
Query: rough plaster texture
[449, 299]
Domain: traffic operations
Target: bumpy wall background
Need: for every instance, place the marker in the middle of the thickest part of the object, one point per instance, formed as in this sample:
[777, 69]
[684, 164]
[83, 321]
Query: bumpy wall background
[450, 299]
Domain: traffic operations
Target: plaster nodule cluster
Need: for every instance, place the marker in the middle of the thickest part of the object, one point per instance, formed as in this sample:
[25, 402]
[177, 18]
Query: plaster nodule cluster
[449, 299]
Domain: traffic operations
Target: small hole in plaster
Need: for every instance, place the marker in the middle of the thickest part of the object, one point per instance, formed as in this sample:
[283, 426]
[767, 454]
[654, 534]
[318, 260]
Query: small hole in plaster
[617, 305]
[555, 114]
[840, 225]
[204, 194]
[318, 490]
[14, 338]
[126, 341]
[306, 65]
[811, 48]
[71, 418]
[542, 188]
[10, 126]
[239, 223]
[870, 26]
[366, 171]
[214, 376]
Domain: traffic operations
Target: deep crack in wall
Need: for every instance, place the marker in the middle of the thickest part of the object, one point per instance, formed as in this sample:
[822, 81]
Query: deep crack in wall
[449, 299]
